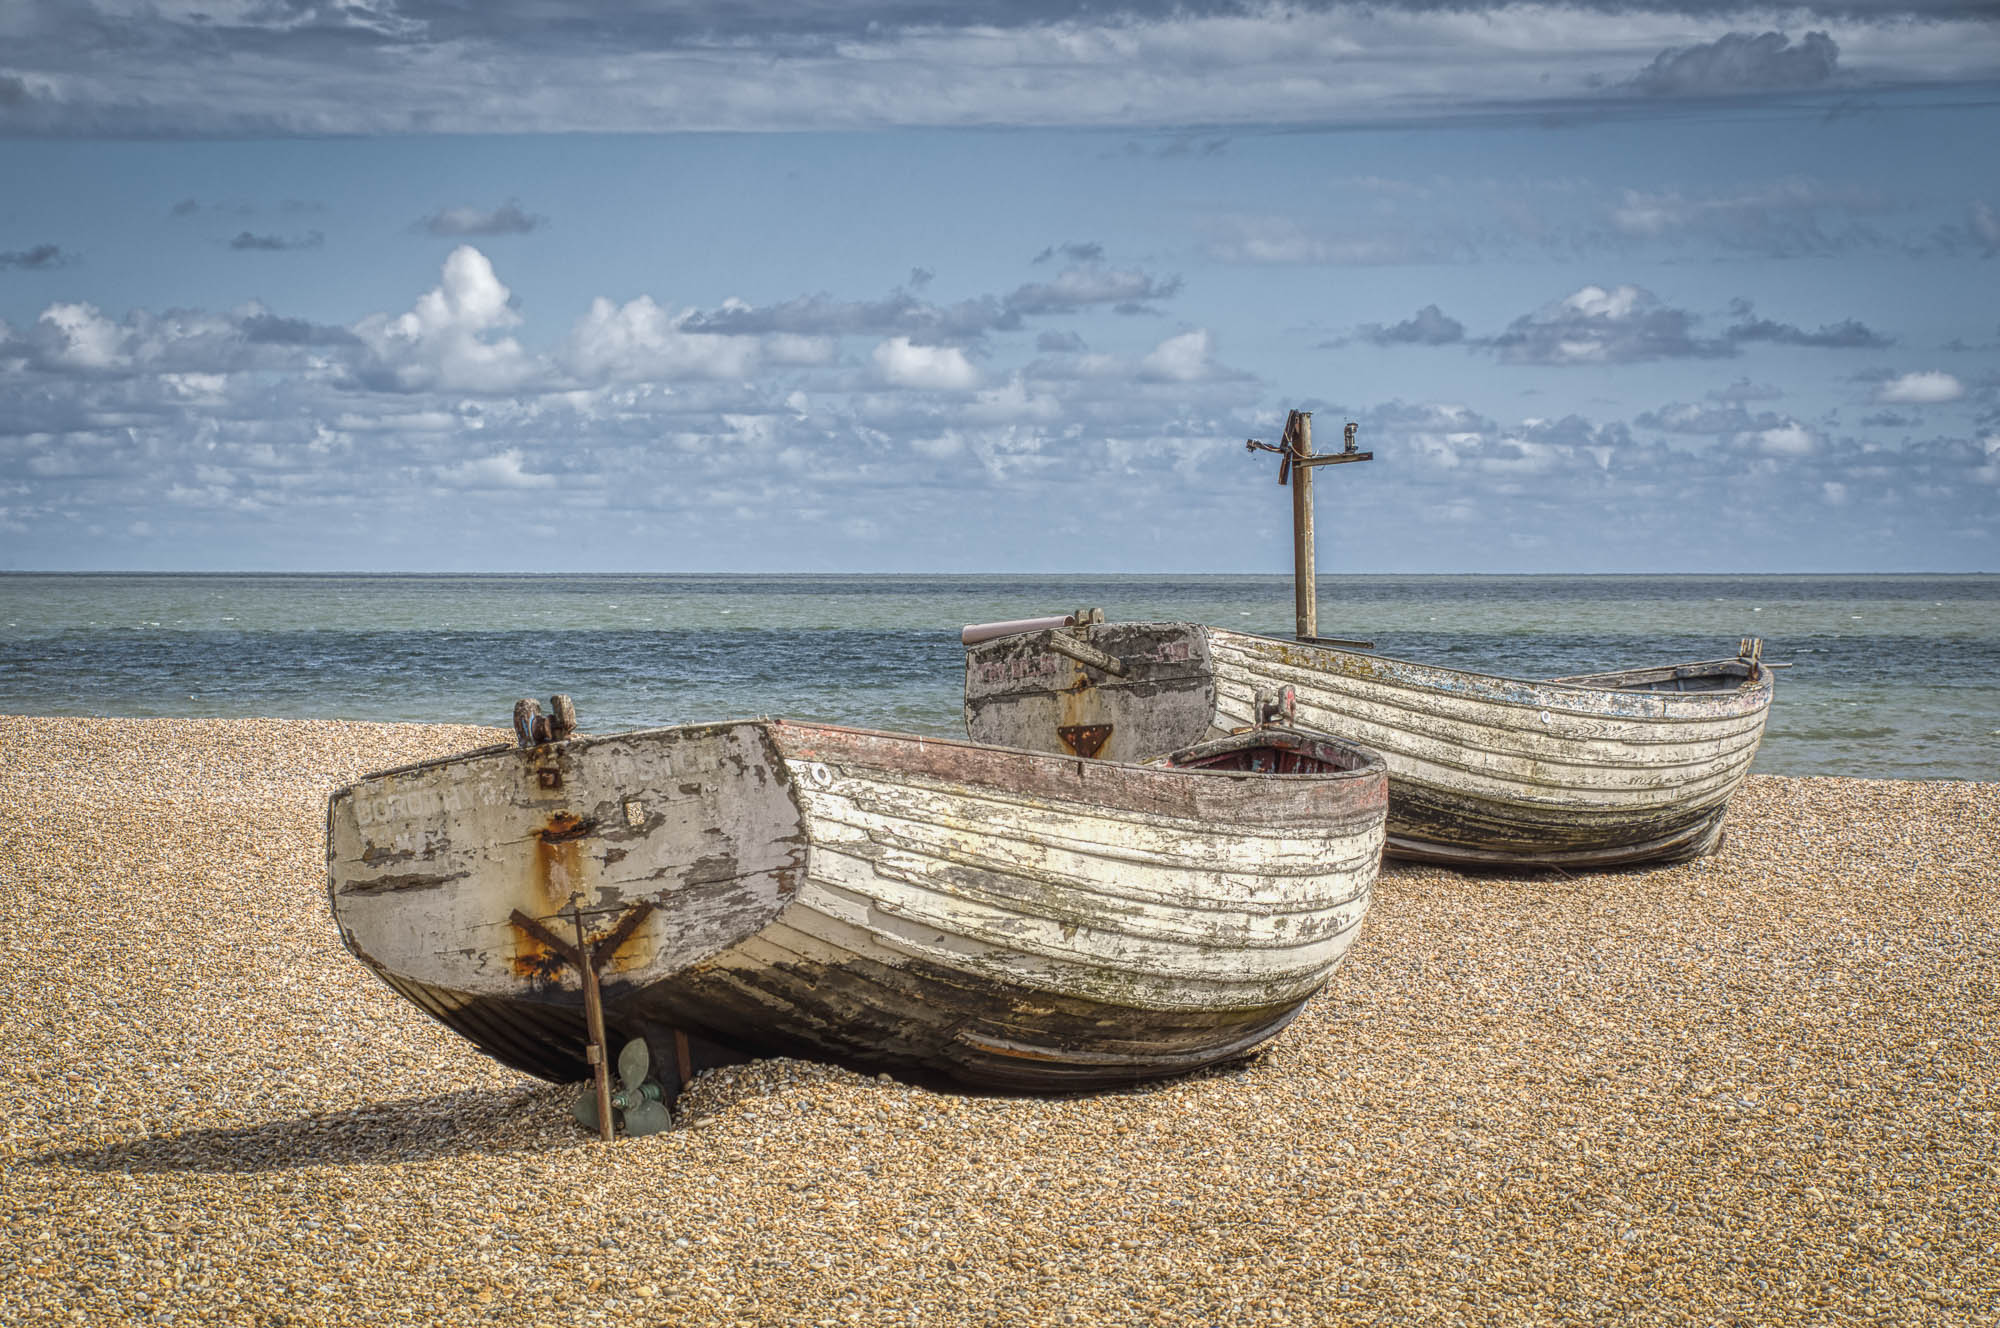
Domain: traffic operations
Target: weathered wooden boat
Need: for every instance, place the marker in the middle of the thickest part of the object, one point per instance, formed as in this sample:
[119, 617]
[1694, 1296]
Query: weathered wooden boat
[1595, 770]
[936, 908]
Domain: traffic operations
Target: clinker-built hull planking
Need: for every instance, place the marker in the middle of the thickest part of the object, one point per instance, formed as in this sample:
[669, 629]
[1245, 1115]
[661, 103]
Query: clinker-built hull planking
[1003, 919]
[1594, 771]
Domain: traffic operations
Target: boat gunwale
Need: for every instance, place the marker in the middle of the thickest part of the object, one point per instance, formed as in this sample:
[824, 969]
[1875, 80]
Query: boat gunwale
[1757, 689]
[1543, 758]
[1753, 725]
[1244, 796]
[1748, 716]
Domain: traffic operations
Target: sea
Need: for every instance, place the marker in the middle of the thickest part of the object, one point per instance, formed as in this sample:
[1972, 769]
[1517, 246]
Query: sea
[1894, 677]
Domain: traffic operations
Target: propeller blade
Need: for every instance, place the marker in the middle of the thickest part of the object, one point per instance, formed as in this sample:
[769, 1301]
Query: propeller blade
[585, 1108]
[649, 1117]
[633, 1063]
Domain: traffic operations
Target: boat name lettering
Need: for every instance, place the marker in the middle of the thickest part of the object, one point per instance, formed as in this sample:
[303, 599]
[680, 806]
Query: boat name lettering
[1013, 670]
[412, 805]
[617, 769]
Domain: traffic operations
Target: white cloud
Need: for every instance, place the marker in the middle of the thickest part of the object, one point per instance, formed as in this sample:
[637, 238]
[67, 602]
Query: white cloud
[1082, 287]
[932, 368]
[79, 337]
[639, 340]
[445, 341]
[507, 219]
[1794, 216]
[1597, 302]
[207, 388]
[1923, 388]
[948, 444]
[1604, 325]
[1181, 359]
[411, 421]
[792, 349]
[1284, 241]
[1739, 62]
[503, 470]
[1010, 402]
[1788, 439]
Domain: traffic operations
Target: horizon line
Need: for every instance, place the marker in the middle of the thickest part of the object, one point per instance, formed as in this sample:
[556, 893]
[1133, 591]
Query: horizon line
[802, 572]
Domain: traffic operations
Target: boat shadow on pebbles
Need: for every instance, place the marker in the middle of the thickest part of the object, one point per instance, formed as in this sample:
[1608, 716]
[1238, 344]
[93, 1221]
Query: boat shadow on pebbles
[530, 1119]
[533, 1118]
[716, 1096]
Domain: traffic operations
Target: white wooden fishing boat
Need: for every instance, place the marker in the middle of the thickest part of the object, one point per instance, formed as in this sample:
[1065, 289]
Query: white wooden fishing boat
[935, 908]
[1596, 770]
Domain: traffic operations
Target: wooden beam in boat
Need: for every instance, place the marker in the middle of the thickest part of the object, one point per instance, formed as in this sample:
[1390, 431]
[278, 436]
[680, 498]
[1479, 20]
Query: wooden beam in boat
[1085, 653]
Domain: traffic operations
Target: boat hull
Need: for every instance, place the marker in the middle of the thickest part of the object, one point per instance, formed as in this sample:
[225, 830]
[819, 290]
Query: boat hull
[935, 909]
[1483, 771]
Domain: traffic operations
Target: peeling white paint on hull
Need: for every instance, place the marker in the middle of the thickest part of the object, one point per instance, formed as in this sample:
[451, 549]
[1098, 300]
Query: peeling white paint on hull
[1594, 771]
[1001, 918]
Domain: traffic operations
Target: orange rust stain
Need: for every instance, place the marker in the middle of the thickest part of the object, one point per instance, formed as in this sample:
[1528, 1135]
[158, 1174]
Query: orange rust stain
[532, 959]
[562, 825]
[559, 858]
[632, 956]
[558, 873]
[1081, 707]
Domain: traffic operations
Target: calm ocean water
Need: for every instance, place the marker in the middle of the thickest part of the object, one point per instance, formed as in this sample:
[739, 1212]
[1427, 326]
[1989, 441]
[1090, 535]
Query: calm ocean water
[1892, 676]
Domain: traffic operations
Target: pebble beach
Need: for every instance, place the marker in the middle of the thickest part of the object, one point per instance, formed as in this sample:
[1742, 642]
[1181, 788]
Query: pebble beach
[1758, 1088]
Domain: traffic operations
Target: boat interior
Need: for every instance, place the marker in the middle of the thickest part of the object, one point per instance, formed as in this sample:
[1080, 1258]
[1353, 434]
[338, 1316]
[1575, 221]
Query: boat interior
[1270, 751]
[1721, 675]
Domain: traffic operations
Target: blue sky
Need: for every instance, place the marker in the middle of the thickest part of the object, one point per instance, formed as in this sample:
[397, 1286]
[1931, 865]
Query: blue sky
[969, 287]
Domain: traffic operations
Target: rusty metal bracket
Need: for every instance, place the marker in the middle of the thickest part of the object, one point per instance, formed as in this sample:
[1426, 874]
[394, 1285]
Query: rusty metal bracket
[1084, 739]
[1279, 707]
[600, 954]
[1750, 650]
[532, 728]
[601, 950]
[570, 953]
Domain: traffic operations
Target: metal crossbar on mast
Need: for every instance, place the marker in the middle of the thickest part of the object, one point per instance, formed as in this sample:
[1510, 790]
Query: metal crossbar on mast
[1295, 466]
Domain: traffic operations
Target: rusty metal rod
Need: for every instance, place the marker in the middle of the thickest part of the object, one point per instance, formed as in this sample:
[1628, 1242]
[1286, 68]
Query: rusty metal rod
[593, 1020]
[601, 953]
[546, 937]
